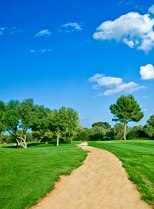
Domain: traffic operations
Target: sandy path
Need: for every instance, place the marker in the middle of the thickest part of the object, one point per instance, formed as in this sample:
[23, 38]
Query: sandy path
[100, 183]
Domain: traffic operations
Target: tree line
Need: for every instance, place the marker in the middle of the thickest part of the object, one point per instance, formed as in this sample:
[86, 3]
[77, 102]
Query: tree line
[20, 119]
[25, 121]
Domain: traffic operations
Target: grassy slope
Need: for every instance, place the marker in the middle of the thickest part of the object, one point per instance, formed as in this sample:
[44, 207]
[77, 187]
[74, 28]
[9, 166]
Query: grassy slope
[138, 159]
[28, 174]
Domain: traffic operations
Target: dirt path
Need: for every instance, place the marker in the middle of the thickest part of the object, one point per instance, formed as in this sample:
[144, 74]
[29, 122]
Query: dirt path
[100, 183]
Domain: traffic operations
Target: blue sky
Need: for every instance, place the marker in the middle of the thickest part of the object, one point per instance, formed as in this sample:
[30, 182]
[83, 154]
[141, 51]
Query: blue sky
[80, 54]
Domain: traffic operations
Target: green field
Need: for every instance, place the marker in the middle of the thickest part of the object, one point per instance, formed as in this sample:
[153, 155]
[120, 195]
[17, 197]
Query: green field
[29, 174]
[138, 159]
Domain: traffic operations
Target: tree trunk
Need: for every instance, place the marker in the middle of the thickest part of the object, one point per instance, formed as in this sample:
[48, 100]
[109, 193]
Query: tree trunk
[125, 130]
[58, 137]
[17, 143]
[23, 143]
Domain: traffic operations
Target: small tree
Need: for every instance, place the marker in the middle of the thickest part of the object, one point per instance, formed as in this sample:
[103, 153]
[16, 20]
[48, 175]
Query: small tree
[63, 123]
[125, 110]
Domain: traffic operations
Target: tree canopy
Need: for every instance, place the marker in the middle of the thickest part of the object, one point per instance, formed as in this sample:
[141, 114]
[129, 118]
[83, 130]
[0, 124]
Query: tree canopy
[104, 125]
[125, 110]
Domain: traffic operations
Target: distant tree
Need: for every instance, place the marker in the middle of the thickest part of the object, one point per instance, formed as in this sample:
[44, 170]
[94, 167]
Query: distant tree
[63, 123]
[151, 121]
[82, 134]
[137, 132]
[125, 110]
[104, 125]
[149, 127]
[97, 133]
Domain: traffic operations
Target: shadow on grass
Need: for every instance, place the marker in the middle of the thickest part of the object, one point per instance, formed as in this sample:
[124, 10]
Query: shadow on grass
[29, 145]
[40, 144]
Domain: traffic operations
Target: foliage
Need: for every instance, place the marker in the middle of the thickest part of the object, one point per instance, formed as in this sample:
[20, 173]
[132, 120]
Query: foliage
[18, 118]
[149, 130]
[40, 127]
[63, 123]
[29, 175]
[138, 159]
[97, 133]
[100, 131]
[137, 132]
[118, 131]
[82, 134]
[104, 125]
[2, 110]
[125, 110]
[149, 127]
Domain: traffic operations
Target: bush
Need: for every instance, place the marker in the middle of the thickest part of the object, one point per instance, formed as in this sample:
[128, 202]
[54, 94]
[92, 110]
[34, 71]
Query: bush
[137, 132]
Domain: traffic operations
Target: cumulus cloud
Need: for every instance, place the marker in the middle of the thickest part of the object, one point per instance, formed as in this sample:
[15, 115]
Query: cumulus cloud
[113, 85]
[151, 10]
[124, 87]
[133, 29]
[105, 81]
[147, 72]
[72, 26]
[42, 33]
[2, 29]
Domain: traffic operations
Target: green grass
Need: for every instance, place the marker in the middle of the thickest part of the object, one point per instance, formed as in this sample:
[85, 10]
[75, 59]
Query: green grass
[27, 175]
[138, 159]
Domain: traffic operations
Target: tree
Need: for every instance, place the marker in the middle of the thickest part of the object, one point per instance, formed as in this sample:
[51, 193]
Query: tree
[104, 125]
[63, 123]
[97, 133]
[18, 118]
[137, 132]
[149, 127]
[125, 110]
[82, 134]
[40, 127]
[11, 119]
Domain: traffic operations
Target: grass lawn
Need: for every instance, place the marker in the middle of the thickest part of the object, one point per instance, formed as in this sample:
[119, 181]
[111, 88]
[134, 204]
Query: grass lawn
[138, 159]
[29, 174]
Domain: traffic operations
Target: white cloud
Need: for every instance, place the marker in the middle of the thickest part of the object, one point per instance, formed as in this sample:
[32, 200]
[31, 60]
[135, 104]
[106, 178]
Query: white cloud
[45, 50]
[133, 29]
[72, 26]
[2, 29]
[125, 87]
[15, 30]
[32, 51]
[105, 81]
[42, 33]
[41, 50]
[147, 72]
[151, 9]
[113, 84]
